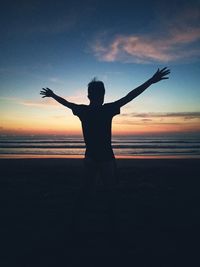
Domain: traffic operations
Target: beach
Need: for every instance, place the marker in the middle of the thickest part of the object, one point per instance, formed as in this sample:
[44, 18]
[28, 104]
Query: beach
[157, 220]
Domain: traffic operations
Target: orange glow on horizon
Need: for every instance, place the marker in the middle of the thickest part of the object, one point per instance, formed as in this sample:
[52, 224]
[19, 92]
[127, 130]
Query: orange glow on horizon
[153, 129]
[121, 126]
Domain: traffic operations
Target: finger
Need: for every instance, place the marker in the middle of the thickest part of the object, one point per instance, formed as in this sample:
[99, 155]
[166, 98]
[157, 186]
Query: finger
[163, 75]
[166, 69]
[44, 89]
[166, 72]
[163, 69]
[164, 78]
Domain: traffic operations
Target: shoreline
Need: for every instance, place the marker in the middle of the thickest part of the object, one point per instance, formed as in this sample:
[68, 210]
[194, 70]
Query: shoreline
[143, 157]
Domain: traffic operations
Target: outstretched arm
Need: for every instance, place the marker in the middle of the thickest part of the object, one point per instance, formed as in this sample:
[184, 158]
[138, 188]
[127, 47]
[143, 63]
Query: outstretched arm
[158, 76]
[46, 92]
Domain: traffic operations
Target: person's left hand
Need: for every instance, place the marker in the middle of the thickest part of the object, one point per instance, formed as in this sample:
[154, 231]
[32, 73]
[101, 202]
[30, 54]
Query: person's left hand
[46, 92]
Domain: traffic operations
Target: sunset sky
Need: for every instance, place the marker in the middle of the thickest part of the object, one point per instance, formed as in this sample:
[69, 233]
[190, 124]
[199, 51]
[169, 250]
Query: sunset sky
[64, 44]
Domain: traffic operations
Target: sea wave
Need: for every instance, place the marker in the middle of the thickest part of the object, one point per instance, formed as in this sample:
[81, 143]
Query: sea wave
[124, 145]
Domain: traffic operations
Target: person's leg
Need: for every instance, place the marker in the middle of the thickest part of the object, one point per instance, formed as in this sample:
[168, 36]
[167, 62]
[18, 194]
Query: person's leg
[109, 176]
[87, 191]
[88, 183]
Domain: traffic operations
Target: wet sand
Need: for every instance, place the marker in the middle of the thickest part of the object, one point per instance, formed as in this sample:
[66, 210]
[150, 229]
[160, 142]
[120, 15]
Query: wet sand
[158, 214]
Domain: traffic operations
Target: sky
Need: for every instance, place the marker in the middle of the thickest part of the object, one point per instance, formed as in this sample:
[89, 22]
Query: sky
[64, 44]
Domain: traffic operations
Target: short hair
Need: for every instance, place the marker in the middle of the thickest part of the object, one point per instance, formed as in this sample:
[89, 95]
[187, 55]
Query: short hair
[96, 88]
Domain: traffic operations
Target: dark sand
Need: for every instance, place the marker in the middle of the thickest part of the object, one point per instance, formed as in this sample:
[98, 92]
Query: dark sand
[158, 216]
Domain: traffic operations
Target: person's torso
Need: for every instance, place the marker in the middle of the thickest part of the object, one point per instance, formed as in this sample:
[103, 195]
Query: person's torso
[96, 125]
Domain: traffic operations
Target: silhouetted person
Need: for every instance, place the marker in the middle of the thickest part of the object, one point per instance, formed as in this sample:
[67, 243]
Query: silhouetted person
[96, 119]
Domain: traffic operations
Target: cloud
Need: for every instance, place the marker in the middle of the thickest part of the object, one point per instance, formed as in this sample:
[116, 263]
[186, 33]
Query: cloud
[42, 103]
[153, 119]
[178, 40]
[56, 80]
[151, 115]
[39, 103]
[146, 120]
[145, 49]
[78, 97]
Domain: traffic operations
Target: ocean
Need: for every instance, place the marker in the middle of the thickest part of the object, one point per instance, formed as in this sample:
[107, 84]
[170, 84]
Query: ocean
[148, 146]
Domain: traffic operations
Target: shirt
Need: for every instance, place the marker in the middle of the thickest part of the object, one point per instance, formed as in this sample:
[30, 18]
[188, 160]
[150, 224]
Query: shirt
[96, 125]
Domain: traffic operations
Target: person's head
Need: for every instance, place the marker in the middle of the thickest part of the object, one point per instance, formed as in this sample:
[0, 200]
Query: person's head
[96, 92]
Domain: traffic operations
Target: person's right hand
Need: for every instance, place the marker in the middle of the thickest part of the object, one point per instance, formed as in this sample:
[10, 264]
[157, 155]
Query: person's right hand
[46, 92]
[160, 75]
